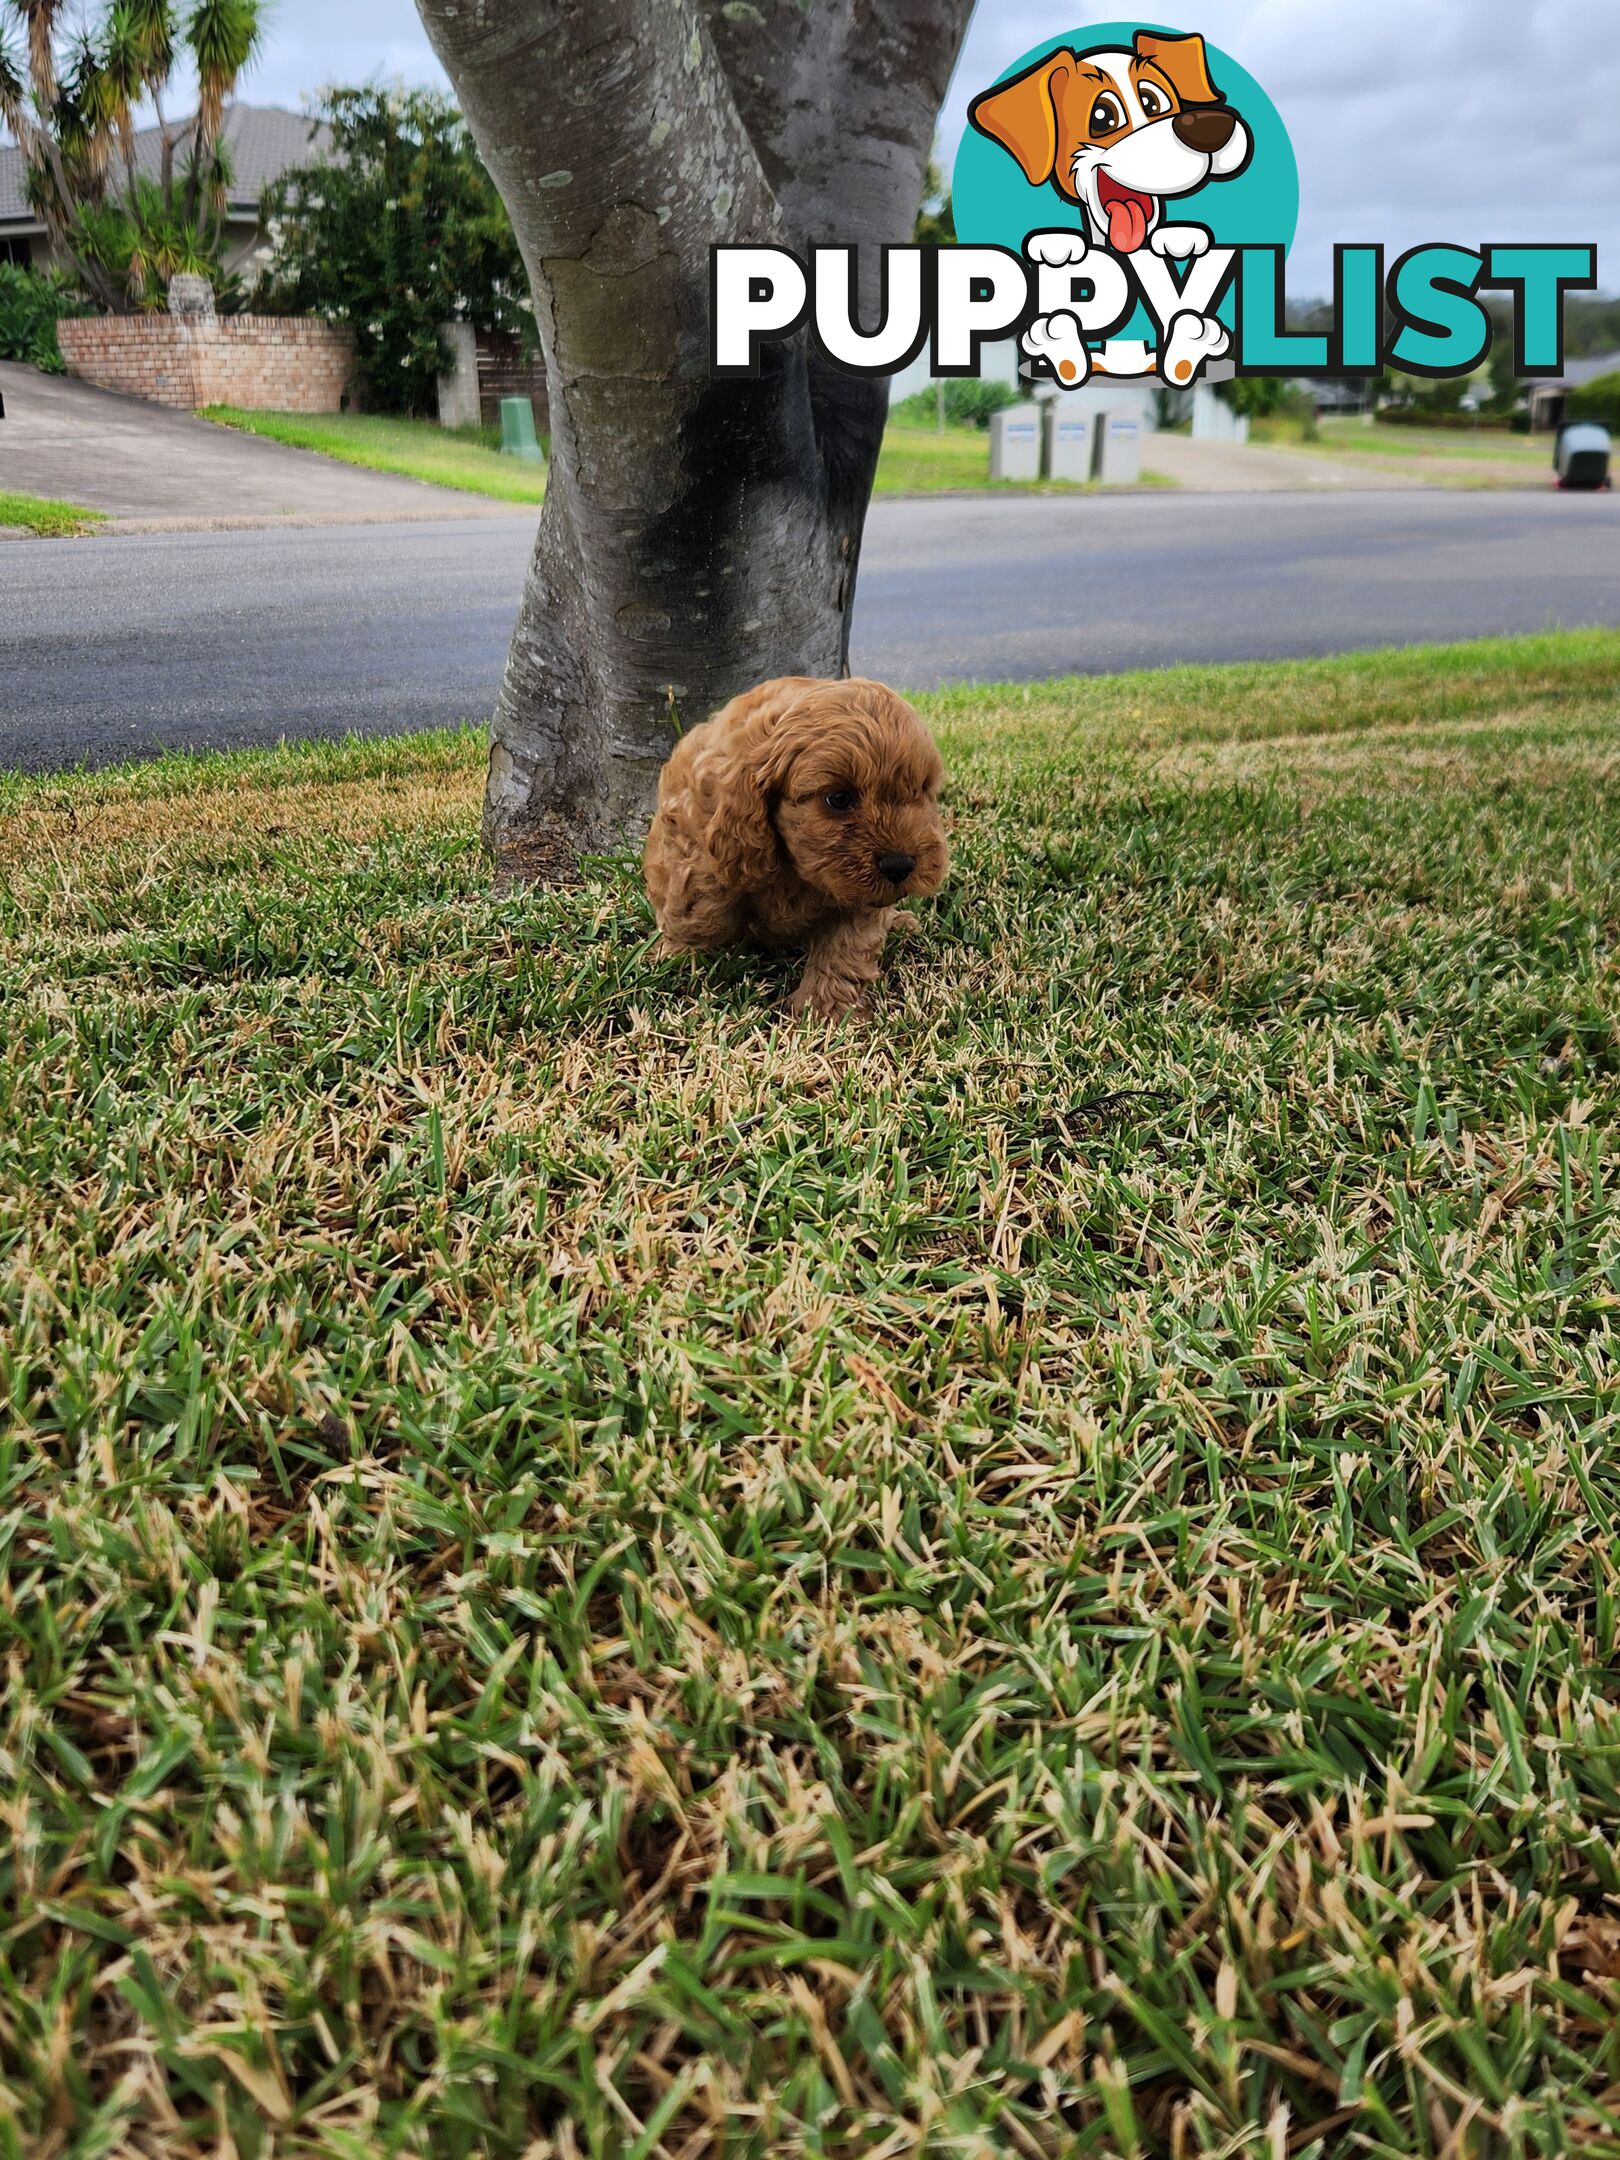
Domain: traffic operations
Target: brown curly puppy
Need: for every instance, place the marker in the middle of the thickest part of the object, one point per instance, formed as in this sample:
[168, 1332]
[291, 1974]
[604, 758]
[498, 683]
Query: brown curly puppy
[799, 815]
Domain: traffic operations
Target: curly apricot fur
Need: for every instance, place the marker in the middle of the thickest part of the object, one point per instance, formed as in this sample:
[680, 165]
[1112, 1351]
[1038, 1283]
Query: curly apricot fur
[775, 822]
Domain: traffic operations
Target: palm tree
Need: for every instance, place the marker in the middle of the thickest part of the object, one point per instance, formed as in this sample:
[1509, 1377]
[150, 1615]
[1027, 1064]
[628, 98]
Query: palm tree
[72, 109]
[29, 94]
[223, 36]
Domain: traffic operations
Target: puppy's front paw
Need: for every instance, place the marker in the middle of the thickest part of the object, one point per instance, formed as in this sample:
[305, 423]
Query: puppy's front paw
[1056, 339]
[1193, 340]
[1056, 250]
[826, 997]
[1180, 241]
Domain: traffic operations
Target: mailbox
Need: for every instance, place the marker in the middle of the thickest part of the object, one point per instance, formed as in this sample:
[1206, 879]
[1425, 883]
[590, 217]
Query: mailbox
[1119, 447]
[1070, 441]
[1015, 443]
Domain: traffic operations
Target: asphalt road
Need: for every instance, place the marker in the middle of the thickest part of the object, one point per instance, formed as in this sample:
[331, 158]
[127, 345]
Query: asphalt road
[118, 647]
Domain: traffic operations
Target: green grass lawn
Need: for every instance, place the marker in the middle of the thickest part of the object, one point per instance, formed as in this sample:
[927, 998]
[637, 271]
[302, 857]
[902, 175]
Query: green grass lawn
[464, 458]
[590, 1572]
[46, 519]
[1349, 435]
[913, 461]
[924, 461]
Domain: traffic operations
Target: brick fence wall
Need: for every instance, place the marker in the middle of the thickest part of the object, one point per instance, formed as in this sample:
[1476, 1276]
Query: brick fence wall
[276, 363]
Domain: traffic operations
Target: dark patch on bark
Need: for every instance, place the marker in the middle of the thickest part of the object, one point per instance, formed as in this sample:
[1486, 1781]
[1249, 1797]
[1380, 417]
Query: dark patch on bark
[744, 456]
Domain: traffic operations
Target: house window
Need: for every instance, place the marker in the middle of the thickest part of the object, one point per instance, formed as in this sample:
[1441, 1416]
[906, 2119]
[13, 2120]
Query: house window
[15, 249]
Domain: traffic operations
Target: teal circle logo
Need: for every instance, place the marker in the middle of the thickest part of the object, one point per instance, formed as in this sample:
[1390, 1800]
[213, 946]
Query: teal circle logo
[1098, 130]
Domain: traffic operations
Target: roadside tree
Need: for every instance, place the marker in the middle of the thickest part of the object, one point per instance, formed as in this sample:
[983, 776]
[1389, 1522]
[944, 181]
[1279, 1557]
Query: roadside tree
[698, 535]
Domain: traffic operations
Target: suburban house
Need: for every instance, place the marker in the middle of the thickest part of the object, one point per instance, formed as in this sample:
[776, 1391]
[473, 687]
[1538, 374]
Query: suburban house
[1548, 398]
[264, 141]
[1331, 395]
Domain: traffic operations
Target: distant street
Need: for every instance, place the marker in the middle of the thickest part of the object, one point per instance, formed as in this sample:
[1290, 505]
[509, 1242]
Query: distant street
[118, 647]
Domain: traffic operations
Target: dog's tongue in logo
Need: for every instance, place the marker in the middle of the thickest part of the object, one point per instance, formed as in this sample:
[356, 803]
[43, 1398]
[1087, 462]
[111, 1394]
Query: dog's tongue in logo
[1127, 213]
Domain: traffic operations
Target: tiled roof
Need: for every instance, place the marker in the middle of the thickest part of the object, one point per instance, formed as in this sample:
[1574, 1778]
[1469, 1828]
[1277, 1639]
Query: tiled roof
[264, 140]
[1577, 372]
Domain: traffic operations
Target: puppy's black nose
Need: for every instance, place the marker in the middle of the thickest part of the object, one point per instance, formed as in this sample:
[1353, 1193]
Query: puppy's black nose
[896, 868]
[1209, 130]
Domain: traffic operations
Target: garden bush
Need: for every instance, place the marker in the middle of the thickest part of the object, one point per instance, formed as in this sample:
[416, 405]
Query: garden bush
[967, 404]
[397, 230]
[1597, 400]
[32, 302]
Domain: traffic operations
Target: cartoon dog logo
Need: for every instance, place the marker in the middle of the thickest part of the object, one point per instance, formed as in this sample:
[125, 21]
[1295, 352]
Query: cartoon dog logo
[1120, 131]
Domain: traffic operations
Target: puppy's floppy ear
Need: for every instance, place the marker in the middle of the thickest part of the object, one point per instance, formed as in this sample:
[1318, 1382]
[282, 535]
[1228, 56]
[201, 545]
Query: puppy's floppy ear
[1184, 61]
[1021, 115]
[742, 789]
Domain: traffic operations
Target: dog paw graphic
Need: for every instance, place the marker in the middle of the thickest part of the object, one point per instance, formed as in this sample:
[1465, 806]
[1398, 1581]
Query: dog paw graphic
[1055, 250]
[1181, 241]
[1193, 339]
[1056, 339]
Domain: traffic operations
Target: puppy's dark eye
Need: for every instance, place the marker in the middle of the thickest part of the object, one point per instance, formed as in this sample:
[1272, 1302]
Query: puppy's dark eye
[840, 800]
[1107, 115]
[1154, 101]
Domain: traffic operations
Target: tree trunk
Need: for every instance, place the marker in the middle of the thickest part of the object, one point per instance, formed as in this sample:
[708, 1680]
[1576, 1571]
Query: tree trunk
[698, 535]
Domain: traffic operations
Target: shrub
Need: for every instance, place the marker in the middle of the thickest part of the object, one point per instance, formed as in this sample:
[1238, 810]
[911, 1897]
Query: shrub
[1260, 397]
[1278, 410]
[1462, 423]
[967, 404]
[32, 303]
[1597, 400]
[397, 231]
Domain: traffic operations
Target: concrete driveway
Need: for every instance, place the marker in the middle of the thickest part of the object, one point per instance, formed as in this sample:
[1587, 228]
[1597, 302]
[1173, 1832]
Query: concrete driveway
[1220, 468]
[148, 465]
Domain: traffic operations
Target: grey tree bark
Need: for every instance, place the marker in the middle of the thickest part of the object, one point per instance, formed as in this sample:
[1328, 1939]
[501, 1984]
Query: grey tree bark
[698, 536]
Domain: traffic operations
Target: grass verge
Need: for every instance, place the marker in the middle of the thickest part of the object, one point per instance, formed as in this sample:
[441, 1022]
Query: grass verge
[1354, 435]
[589, 1573]
[913, 461]
[45, 518]
[925, 461]
[1444, 457]
[468, 459]
[1498, 446]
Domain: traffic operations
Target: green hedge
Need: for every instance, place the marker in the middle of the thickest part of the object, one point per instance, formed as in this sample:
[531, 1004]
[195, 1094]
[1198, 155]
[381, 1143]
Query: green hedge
[1458, 422]
[967, 404]
[32, 303]
[1597, 400]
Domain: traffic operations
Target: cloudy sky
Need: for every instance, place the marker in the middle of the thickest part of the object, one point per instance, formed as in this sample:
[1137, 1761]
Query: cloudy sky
[1413, 120]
